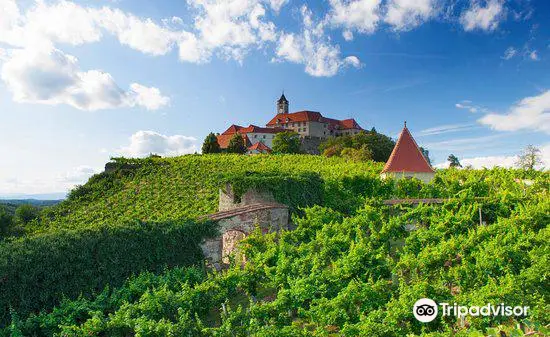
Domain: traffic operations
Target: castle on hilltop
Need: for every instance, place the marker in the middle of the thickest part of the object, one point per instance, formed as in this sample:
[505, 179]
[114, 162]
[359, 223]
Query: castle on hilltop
[312, 127]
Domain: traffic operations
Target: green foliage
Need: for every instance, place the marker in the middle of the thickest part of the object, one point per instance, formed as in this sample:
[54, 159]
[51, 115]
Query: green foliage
[24, 214]
[295, 190]
[379, 145]
[36, 271]
[6, 222]
[210, 144]
[361, 154]
[355, 272]
[236, 144]
[453, 161]
[163, 189]
[287, 142]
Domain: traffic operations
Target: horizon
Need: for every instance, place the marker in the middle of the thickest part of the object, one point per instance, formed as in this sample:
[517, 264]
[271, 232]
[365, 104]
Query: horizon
[83, 81]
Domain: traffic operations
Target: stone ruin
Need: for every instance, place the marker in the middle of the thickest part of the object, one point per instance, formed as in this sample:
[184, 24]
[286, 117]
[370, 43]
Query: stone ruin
[237, 219]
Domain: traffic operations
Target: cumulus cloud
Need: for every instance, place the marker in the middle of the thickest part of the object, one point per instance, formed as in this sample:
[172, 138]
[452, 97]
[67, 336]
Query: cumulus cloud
[143, 143]
[405, 15]
[485, 18]
[531, 113]
[359, 15]
[46, 75]
[313, 49]
[230, 27]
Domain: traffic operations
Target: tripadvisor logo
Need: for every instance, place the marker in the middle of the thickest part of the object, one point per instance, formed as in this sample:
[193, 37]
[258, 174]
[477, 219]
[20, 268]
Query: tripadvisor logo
[425, 310]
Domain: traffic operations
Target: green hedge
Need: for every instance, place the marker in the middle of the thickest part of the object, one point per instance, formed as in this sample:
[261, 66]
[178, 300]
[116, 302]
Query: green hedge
[36, 272]
[295, 190]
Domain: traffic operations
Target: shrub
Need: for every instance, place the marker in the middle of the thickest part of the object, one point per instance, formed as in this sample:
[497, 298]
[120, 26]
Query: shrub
[37, 271]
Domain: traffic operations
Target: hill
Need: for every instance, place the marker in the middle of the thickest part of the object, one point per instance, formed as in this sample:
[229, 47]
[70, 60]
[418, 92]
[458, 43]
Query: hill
[165, 189]
[11, 204]
[352, 266]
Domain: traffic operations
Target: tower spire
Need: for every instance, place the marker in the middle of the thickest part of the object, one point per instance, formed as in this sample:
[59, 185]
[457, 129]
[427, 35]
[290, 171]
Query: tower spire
[282, 104]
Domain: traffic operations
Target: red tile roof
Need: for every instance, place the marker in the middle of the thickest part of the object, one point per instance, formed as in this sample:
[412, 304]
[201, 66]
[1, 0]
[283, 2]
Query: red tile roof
[257, 129]
[224, 139]
[313, 116]
[406, 156]
[233, 129]
[261, 147]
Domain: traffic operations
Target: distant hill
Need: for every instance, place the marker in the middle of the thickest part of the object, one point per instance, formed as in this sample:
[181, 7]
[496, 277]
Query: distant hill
[12, 204]
[41, 196]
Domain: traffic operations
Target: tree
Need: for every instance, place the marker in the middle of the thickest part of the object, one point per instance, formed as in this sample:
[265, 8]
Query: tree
[359, 155]
[236, 144]
[453, 161]
[286, 142]
[529, 158]
[24, 214]
[380, 145]
[426, 155]
[210, 144]
[6, 221]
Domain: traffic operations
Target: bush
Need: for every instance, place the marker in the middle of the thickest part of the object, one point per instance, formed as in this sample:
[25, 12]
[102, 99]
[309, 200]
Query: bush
[37, 271]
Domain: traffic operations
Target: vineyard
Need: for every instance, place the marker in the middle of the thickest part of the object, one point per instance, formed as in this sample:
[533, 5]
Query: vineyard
[351, 267]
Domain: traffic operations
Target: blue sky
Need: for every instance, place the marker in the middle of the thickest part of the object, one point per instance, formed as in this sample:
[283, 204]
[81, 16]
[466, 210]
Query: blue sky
[81, 81]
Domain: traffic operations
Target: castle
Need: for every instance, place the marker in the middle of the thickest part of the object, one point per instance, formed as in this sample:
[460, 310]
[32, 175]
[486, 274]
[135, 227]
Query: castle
[312, 127]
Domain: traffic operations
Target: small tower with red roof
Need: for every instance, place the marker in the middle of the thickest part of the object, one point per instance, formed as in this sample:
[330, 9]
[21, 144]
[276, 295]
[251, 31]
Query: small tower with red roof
[407, 161]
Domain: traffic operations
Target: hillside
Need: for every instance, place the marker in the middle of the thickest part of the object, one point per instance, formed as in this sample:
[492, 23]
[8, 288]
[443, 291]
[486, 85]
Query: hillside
[350, 268]
[162, 189]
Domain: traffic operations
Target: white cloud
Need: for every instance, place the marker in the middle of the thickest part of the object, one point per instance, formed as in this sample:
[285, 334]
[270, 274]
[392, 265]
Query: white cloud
[148, 97]
[487, 162]
[48, 76]
[360, 15]
[509, 53]
[462, 144]
[500, 161]
[143, 143]
[531, 113]
[48, 183]
[467, 105]
[231, 27]
[78, 175]
[140, 34]
[486, 18]
[405, 15]
[348, 35]
[276, 5]
[313, 49]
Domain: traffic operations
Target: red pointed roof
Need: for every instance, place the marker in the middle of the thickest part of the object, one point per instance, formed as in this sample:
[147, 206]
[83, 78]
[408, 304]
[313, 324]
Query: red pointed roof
[261, 147]
[233, 129]
[406, 156]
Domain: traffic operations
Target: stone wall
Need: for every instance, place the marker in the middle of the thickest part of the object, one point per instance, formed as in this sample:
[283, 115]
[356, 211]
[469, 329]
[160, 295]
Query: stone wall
[236, 220]
[310, 145]
[227, 199]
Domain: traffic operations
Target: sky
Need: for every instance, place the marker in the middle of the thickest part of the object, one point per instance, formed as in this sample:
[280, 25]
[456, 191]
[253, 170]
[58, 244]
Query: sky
[83, 81]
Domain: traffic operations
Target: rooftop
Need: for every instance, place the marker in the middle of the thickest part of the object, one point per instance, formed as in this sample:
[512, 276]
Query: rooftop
[406, 156]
